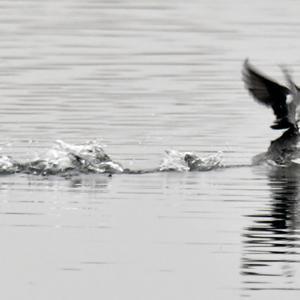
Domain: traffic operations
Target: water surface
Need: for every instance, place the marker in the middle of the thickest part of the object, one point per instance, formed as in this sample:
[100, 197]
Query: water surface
[141, 77]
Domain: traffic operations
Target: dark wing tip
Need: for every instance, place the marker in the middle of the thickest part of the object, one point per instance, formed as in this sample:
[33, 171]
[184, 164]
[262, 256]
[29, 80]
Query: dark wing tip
[256, 84]
[264, 89]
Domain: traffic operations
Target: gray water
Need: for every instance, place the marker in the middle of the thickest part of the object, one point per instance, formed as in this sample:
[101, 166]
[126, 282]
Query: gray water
[141, 77]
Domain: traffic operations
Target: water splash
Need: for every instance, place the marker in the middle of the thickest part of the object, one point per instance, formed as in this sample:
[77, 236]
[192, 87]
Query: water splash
[189, 161]
[64, 159]
[8, 165]
[67, 159]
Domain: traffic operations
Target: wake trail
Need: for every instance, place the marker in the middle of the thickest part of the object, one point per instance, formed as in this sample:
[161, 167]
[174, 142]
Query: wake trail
[66, 159]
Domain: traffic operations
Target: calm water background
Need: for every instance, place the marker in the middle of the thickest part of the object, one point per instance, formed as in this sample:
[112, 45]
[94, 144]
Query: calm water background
[143, 77]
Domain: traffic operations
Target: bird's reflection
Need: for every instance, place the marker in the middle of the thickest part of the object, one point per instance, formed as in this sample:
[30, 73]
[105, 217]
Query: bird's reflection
[90, 183]
[271, 242]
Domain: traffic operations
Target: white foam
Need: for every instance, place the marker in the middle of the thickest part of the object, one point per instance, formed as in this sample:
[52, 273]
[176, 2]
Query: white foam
[189, 161]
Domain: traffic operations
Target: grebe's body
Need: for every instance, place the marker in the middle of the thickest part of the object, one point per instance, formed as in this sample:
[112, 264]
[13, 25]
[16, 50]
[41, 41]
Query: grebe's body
[284, 102]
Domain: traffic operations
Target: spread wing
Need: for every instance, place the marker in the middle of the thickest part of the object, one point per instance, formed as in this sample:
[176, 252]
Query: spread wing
[293, 106]
[266, 91]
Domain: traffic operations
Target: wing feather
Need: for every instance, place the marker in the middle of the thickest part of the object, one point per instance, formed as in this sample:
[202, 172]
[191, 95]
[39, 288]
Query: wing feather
[265, 90]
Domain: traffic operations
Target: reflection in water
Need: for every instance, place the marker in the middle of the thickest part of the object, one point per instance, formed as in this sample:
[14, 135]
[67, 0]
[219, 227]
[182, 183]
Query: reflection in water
[139, 77]
[271, 242]
[98, 183]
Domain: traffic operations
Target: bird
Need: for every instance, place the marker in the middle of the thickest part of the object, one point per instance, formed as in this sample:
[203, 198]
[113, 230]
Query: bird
[283, 100]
